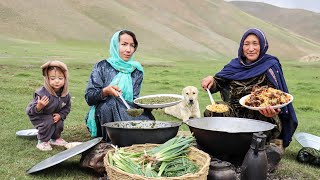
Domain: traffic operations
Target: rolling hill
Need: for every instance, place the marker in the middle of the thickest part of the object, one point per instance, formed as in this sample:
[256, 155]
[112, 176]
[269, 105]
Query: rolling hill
[303, 22]
[165, 28]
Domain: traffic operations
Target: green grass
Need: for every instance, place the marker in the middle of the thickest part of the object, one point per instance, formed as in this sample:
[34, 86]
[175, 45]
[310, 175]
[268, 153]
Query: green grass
[20, 75]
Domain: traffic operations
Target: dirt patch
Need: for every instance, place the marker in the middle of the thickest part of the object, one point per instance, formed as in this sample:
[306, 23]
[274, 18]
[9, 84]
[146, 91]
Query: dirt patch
[310, 58]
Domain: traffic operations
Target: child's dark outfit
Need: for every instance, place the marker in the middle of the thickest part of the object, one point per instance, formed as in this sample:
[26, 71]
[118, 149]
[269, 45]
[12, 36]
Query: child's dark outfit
[58, 103]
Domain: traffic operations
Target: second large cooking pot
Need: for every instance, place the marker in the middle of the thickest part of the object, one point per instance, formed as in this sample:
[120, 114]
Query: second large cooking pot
[226, 137]
[127, 133]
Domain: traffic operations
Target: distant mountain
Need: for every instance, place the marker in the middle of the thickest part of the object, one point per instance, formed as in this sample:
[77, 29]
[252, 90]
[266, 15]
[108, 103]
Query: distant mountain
[303, 22]
[165, 28]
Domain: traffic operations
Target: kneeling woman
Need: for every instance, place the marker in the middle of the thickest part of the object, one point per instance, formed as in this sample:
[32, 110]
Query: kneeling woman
[253, 67]
[117, 74]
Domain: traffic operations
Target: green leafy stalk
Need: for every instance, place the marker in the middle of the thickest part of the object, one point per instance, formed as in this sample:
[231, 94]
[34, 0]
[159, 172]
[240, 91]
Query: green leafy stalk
[178, 148]
[162, 168]
[110, 160]
[126, 164]
[149, 171]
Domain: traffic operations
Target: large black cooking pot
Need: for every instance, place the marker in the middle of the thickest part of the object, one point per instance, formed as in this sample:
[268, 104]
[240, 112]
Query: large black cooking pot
[127, 133]
[226, 137]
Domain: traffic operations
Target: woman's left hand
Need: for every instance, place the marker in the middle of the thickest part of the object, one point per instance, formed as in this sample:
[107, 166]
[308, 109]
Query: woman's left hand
[270, 112]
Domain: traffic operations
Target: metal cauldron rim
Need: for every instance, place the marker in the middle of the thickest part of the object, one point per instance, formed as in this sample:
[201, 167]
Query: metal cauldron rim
[268, 125]
[172, 124]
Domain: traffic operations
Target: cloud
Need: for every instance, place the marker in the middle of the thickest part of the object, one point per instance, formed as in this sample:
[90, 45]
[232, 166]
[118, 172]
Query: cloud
[311, 5]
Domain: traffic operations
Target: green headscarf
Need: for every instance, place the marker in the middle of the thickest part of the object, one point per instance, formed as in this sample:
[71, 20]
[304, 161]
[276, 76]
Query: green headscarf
[123, 78]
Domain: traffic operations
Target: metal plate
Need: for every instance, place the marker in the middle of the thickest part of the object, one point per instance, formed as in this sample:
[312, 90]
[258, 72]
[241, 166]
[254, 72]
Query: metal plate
[308, 140]
[154, 106]
[242, 102]
[64, 155]
[27, 133]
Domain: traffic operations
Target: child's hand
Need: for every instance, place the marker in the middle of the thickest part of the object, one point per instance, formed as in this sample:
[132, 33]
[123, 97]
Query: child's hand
[42, 102]
[56, 117]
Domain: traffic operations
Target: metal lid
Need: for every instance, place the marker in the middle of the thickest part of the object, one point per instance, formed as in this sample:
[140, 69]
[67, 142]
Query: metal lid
[220, 164]
[64, 155]
[308, 140]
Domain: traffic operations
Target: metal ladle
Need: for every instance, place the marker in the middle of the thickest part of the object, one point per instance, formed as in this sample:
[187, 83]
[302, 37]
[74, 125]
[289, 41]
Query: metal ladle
[216, 108]
[131, 111]
[210, 96]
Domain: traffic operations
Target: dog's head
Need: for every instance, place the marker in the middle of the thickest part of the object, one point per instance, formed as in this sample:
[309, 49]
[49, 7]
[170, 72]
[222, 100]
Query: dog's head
[190, 94]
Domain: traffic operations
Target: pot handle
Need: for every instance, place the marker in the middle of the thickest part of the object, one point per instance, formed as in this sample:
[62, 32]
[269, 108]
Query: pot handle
[256, 149]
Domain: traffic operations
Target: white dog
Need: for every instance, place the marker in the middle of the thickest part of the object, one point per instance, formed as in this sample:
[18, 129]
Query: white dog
[189, 107]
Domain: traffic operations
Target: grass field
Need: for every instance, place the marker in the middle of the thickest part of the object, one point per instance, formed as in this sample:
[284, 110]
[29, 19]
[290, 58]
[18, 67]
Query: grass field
[20, 75]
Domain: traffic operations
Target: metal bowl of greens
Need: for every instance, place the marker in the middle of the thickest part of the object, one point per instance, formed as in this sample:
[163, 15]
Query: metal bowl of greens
[127, 133]
[158, 100]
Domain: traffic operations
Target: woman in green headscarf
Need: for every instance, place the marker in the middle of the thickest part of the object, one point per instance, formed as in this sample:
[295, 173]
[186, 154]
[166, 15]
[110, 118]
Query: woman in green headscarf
[118, 73]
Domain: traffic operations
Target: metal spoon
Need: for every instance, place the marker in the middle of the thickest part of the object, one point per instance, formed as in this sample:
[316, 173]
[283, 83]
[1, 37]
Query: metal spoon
[131, 111]
[124, 101]
[210, 96]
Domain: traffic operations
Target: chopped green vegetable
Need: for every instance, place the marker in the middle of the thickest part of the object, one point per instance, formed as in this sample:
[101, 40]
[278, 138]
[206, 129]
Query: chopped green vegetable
[168, 159]
[179, 167]
[157, 100]
[135, 112]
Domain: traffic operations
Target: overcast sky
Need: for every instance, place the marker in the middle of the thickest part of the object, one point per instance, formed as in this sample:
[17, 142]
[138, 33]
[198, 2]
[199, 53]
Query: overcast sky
[311, 5]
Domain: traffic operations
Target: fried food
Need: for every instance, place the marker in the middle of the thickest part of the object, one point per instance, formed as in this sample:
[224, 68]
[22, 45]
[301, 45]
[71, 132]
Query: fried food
[266, 96]
[219, 108]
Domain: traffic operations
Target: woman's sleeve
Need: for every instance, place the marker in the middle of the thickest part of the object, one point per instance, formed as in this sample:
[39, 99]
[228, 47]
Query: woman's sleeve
[219, 84]
[137, 85]
[93, 94]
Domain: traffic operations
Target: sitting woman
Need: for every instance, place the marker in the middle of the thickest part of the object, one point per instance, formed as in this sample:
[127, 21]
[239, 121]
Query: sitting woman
[119, 74]
[253, 67]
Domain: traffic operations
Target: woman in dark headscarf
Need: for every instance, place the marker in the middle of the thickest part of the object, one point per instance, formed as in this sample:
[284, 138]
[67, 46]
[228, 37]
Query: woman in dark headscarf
[117, 74]
[253, 67]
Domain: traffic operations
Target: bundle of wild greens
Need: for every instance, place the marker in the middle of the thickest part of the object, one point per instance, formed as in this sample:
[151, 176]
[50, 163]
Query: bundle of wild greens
[180, 166]
[169, 159]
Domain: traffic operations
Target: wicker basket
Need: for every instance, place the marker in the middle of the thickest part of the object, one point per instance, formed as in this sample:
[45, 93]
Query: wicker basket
[201, 158]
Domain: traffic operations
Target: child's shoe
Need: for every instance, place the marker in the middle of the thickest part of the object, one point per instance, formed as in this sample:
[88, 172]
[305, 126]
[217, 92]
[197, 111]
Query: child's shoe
[44, 146]
[58, 142]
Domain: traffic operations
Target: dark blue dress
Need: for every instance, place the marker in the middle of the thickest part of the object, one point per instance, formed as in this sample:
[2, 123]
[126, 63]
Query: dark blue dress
[110, 108]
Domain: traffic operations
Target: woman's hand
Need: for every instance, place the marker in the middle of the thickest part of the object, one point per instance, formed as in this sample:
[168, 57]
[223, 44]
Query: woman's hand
[111, 90]
[56, 117]
[207, 82]
[43, 102]
[270, 112]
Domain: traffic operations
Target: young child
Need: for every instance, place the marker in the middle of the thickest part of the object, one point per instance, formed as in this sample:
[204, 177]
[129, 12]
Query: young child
[51, 105]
